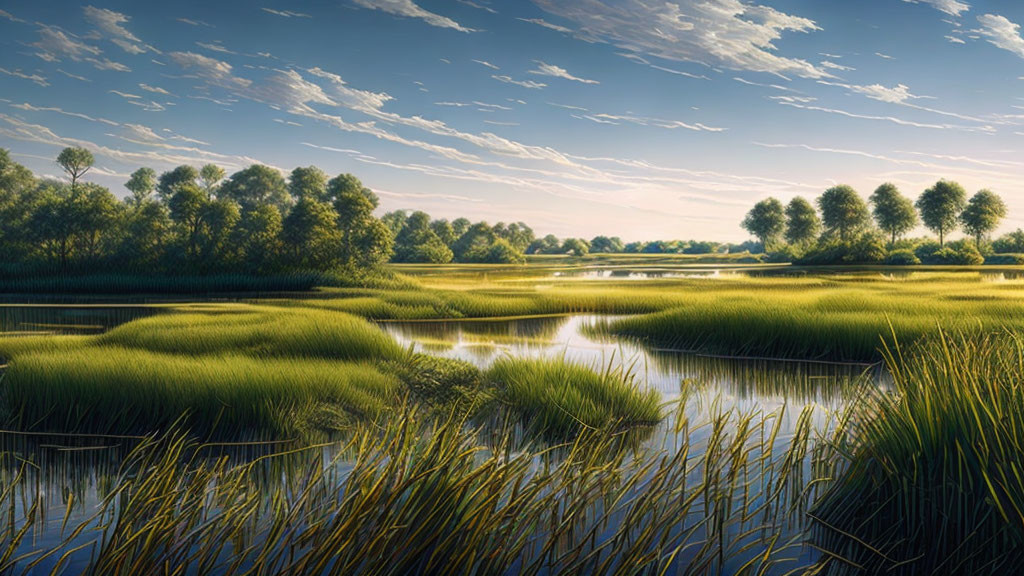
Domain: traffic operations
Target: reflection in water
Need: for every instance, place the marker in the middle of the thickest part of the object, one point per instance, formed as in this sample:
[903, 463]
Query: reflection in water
[63, 319]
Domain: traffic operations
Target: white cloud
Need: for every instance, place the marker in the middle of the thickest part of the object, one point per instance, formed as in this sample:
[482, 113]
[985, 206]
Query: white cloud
[216, 72]
[54, 44]
[951, 7]
[833, 66]
[726, 33]
[75, 76]
[285, 13]
[140, 132]
[896, 95]
[155, 89]
[524, 83]
[647, 121]
[31, 108]
[111, 25]
[108, 64]
[955, 39]
[487, 64]
[544, 23]
[409, 9]
[545, 69]
[40, 80]
[9, 16]
[1002, 33]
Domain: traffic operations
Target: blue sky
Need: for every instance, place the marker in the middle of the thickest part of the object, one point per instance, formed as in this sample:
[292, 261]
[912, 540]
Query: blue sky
[640, 118]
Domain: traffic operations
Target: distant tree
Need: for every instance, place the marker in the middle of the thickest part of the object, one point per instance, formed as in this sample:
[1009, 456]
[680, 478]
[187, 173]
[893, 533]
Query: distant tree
[843, 211]
[51, 224]
[1012, 243]
[635, 247]
[308, 181]
[169, 182]
[802, 222]
[460, 225]
[76, 162]
[354, 204]
[894, 213]
[395, 221]
[373, 246]
[417, 242]
[258, 237]
[658, 247]
[147, 228]
[701, 247]
[94, 213]
[255, 185]
[444, 231]
[766, 221]
[518, 234]
[188, 207]
[941, 206]
[142, 184]
[210, 176]
[219, 221]
[502, 252]
[606, 245]
[982, 215]
[310, 234]
[549, 244]
[575, 247]
[475, 244]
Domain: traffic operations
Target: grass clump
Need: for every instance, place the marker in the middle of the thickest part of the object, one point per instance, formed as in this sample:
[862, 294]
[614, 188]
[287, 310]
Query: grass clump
[560, 398]
[935, 483]
[112, 390]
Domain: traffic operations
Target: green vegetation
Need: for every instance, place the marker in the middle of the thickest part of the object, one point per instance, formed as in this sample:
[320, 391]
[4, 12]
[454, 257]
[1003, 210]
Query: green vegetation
[934, 484]
[560, 398]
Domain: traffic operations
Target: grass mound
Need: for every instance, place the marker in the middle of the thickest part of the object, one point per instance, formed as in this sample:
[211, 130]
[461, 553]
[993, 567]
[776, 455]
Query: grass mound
[119, 390]
[935, 484]
[561, 398]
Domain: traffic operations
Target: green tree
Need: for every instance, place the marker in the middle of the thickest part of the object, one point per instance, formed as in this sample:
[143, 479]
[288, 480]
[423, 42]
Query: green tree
[210, 176]
[308, 181]
[503, 252]
[188, 207]
[76, 162]
[219, 221]
[147, 229]
[549, 244]
[395, 221]
[575, 247]
[169, 182]
[417, 242]
[843, 212]
[310, 234]
[258, 236]
[354, 204]
[982, 215]
[142, 184]
[606, 245]
[460, 226]
[444, 231]
[474, 245]
[255, 185]
[802, 222]
[766, 221]
[95, 213]
[941, 206]
[894, 213]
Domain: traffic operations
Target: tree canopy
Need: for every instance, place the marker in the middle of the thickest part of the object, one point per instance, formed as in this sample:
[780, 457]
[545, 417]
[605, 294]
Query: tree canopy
[940, 207]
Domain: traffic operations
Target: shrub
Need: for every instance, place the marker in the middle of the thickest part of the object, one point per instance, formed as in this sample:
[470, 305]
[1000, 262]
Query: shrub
[902, 258]
[1005, 259]
[959, 253]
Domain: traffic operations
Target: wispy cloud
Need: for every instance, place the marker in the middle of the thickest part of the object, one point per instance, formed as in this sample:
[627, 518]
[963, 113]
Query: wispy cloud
[544, 23]
[410, 9]
[545, 69]
[951, 7]
[286, 13]
[40, 80]
[1001, 32]
[524, 83]
[111, 26]
[487, 64]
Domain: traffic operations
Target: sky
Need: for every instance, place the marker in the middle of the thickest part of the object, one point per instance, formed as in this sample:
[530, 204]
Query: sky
[645, 119]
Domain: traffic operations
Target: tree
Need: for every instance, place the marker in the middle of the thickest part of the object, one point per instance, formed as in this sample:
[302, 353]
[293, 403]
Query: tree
[210, 176]
[843, 211]
[141, 184]
[94, 213]
[982, 215]
[255, 185]
[1012, 243]
[475, 244]
[766, 221]
[444, 231]
[549, 244]
[460, 225]
[941, 206]
[258, 237]
[418, 243]
[894, 213]
[147, 227]
[310, 234]
[503, 252]
[188, 207]
[575, 247]
[219, 221]
[395, 221]
[354, 204]
[802, 222]
[76, 162]
[606, 245]
[170, 181]
[309, 181]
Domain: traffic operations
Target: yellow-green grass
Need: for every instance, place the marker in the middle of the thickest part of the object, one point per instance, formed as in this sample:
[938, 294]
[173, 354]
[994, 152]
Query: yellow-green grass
[935, 481]
[559, 398]
[828, 316]
[114, 390]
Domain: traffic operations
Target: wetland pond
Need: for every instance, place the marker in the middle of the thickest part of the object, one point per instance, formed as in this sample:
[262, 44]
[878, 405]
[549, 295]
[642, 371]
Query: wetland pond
[70, 473]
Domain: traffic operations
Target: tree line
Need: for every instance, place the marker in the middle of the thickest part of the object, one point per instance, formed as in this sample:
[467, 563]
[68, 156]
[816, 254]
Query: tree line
[189, 220]
[841, 226]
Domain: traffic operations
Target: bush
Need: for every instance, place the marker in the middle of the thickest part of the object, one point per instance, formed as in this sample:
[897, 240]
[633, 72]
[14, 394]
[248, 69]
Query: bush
[959, 253]
[1005, 259]
[865, 249]
[902, 258]
[1012, 243]
[784, 254]
[926, 249]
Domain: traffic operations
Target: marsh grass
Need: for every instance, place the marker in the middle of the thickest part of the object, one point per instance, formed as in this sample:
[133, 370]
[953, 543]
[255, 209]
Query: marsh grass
[935, 482]
[560, 398]
[422, 495]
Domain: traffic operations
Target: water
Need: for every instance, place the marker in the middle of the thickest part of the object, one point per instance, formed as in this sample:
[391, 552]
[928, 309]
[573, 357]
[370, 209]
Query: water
[67, 319]
[694, 387]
